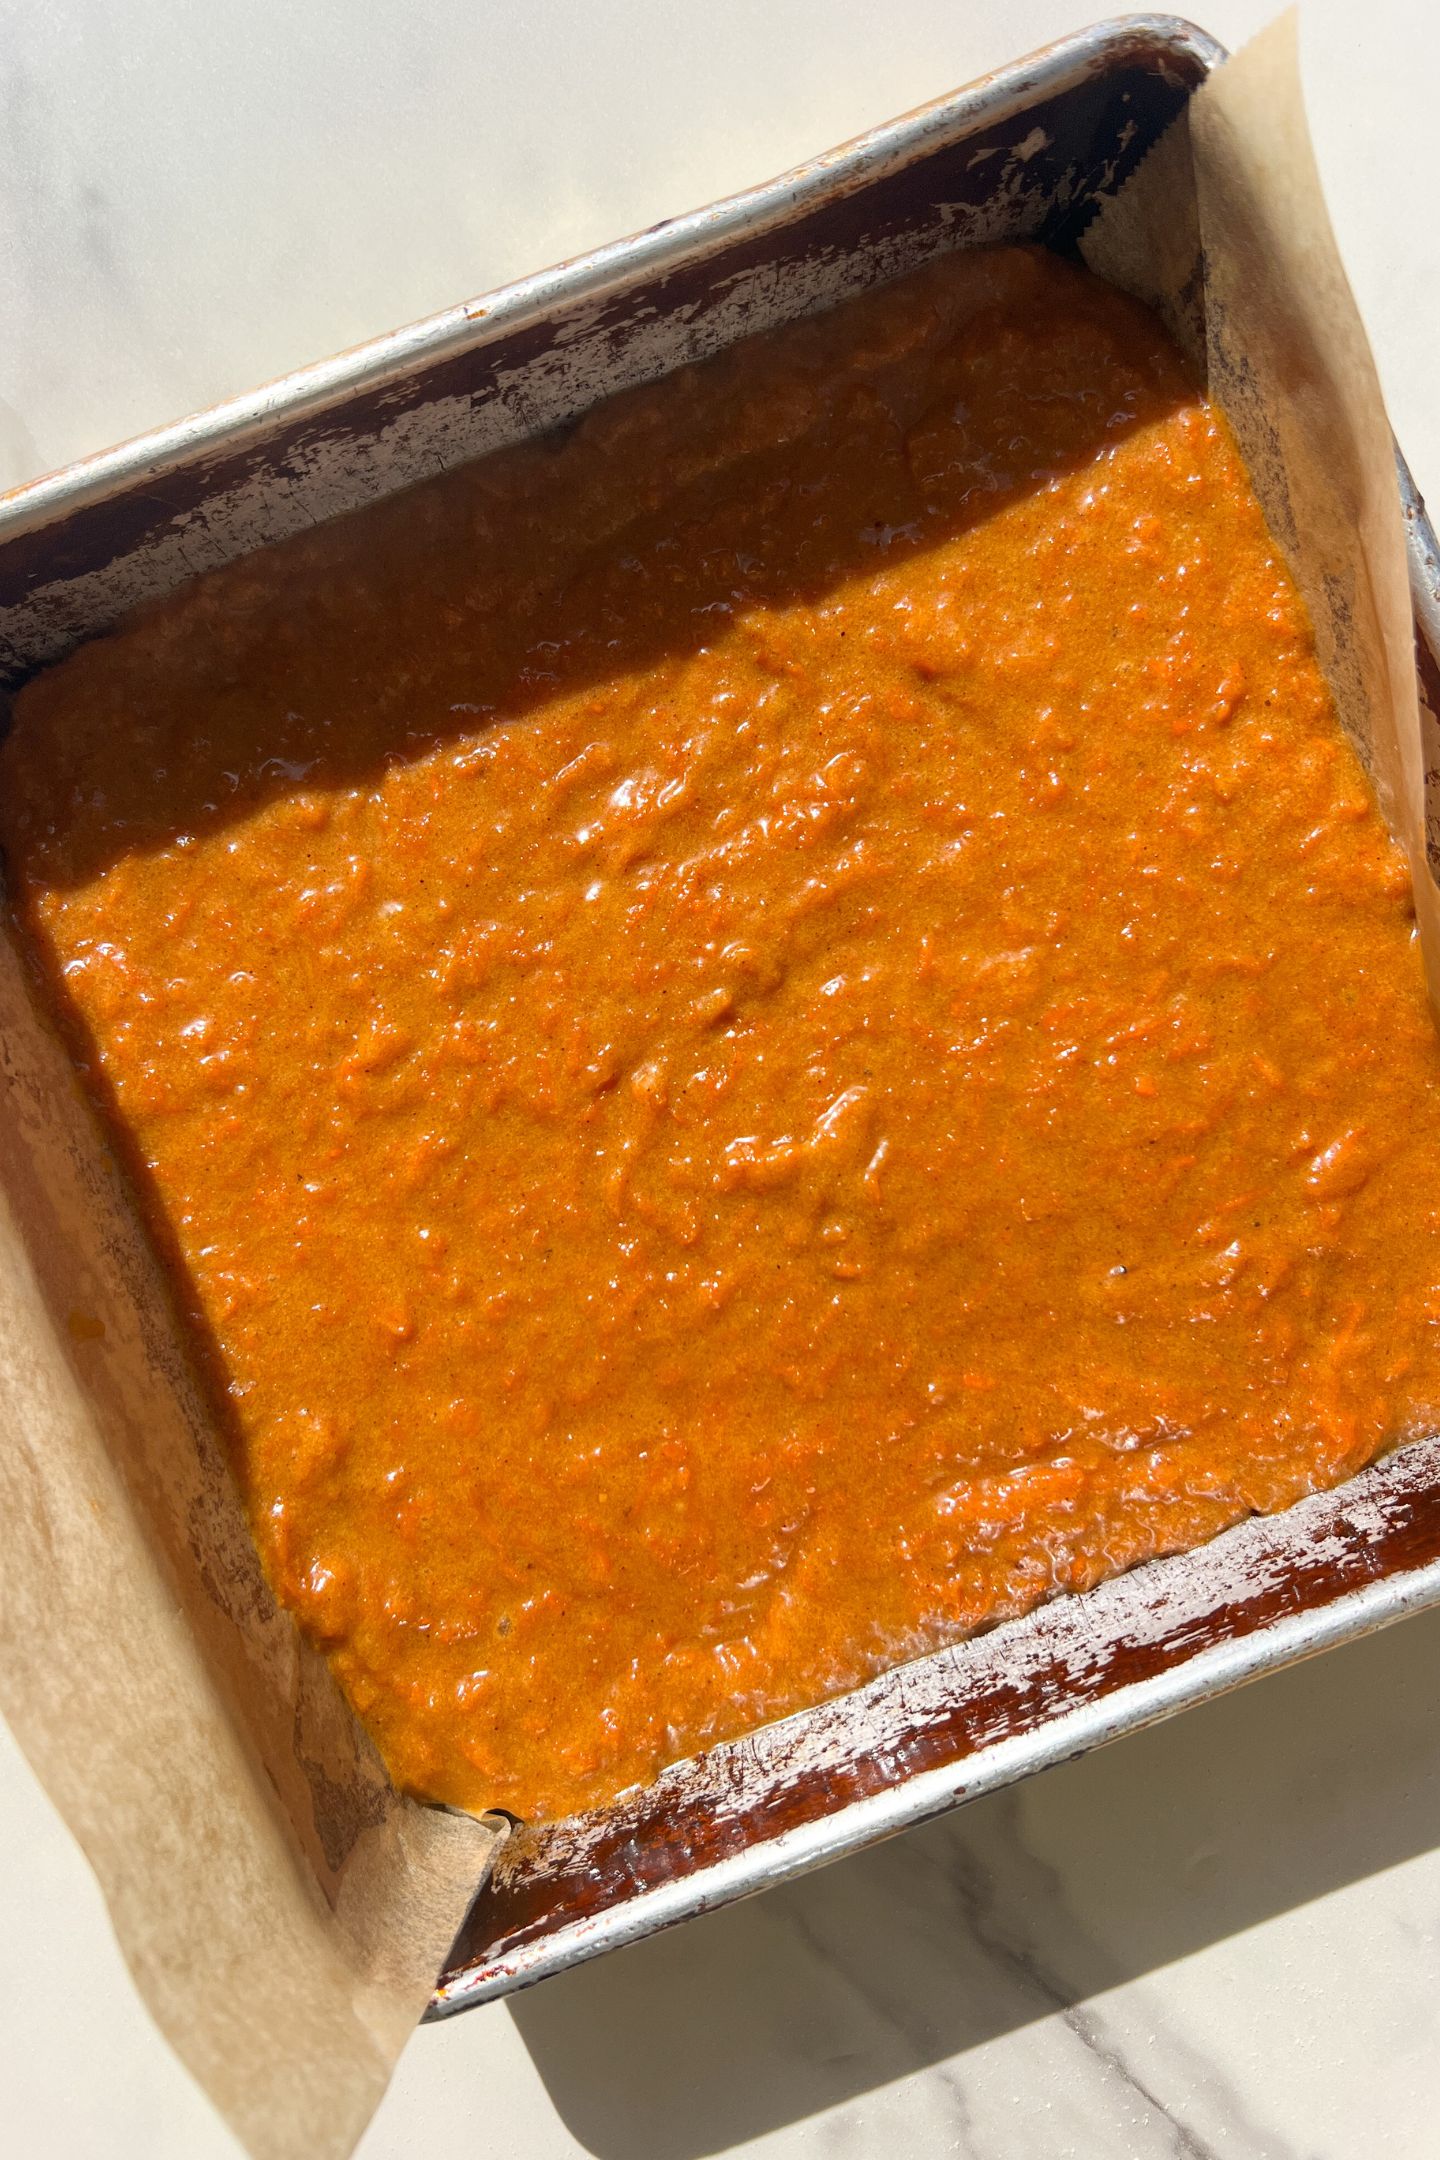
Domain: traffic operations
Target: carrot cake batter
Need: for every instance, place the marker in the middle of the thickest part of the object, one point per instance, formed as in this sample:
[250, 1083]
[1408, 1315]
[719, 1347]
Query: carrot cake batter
[758, 1034]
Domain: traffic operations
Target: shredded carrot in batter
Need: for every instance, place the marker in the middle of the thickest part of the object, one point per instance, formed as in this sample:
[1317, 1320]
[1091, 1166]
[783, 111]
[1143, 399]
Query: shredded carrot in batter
[757, 1035]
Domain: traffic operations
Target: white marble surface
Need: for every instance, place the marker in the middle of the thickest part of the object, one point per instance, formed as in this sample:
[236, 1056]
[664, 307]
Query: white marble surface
[1218, 1938]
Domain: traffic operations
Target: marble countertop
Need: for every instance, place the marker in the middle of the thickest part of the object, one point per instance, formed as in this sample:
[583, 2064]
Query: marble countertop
[1221, 1937]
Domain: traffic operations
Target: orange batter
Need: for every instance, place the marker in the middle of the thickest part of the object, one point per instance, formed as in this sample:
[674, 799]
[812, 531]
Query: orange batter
[758, 1035]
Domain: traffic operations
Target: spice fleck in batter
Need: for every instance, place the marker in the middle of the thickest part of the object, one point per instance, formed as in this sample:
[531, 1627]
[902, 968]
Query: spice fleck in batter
[758, 1035]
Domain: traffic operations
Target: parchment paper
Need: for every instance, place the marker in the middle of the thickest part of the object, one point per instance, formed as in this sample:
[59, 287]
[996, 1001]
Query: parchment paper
[1224, 231]
[284, 1913]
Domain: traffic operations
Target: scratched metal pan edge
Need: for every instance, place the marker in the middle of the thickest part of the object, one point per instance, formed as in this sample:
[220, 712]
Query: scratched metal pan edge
[926, 1737]
[79, 547]
[392, 356]
[84, 544]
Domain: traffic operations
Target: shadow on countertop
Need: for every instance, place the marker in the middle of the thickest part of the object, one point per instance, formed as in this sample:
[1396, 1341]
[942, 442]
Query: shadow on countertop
[1023, 1904]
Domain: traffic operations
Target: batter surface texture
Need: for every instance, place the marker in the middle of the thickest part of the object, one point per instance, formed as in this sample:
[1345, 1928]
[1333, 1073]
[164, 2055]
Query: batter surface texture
[757, 1035]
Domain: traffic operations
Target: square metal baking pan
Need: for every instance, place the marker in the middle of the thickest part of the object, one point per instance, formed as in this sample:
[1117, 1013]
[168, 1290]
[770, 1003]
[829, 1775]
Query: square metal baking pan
[1026, 154]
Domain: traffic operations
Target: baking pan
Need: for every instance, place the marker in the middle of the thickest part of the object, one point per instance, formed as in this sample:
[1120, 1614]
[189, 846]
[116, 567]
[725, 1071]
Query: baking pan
[1026, 154]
